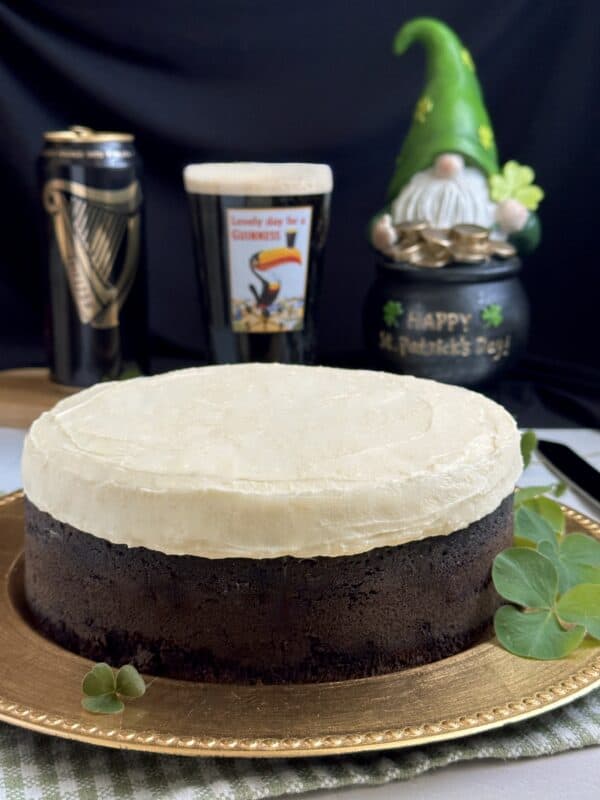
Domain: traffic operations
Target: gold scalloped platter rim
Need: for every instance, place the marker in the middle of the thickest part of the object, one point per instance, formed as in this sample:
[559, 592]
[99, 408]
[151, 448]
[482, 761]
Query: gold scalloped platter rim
[477, 690]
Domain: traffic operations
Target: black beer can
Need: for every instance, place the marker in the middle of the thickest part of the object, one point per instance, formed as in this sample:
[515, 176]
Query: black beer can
[91, 193]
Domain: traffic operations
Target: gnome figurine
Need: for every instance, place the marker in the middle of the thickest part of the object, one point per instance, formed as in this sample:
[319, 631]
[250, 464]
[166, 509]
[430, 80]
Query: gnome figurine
[447, 176]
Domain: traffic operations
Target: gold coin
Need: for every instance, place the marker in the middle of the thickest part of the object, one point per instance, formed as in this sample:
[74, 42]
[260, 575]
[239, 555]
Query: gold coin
[467, 255]
[440, 236]
[409, 232]
[409, 239]
[472, 233]
[502, 249]
[432, 256]
[477, 248]
[404, 251]
[410, 226]
[432, 263]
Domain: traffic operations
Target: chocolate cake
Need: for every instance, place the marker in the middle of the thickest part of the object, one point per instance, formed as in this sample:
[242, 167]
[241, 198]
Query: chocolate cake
[268, 523]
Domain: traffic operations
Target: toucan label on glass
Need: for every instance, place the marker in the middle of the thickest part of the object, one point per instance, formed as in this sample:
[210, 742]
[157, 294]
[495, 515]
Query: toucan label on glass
[268, 255]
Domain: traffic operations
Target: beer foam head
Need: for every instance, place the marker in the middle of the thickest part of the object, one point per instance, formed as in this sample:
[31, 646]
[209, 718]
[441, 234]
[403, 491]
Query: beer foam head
[252, 178]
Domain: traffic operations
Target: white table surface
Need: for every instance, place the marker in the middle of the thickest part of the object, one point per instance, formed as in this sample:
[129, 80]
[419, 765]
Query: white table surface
[575, 774]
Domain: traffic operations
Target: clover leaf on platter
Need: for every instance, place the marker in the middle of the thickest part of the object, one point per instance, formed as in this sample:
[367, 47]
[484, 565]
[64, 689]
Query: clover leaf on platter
[550, 578]
[103, 688]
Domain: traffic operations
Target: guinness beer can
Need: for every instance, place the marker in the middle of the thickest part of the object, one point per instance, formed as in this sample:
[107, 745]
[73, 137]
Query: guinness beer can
[259, 235]
[90, 184]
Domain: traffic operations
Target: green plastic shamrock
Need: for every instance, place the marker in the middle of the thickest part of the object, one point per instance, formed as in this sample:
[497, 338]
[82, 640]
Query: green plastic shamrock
[492, 315]
[423, 108]
[515, 182]
[392, 311]
[551, 579]
[486, 136]
[102, 687]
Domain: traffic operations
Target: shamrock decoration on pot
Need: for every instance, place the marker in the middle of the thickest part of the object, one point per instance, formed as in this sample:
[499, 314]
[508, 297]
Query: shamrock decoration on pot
[447, 172]
[492, 315]
[392, 311]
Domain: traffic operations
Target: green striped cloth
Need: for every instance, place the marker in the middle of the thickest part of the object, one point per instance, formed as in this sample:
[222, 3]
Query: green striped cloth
[46, 768]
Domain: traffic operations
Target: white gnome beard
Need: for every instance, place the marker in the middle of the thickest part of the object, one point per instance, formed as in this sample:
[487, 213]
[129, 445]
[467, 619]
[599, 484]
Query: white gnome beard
[444, 202]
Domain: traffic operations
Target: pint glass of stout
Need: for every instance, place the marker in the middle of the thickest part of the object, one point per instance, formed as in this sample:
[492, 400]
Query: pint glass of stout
[259, 235]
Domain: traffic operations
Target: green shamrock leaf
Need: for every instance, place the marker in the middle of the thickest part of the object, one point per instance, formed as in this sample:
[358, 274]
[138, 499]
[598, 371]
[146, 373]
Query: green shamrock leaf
[536, 634]
[516, 174]
[515, 182]
[553, 577]
[529, 492]
[526, 577]
[528, 445]
[581, 605]
[532, 526]
[577, 560]
[103, 704]
[129, 682]
[99, 680]
[101, 688]
[549, 510]
[486, 136]
[423, 108]
[492, 315]
[392, 311]
[530, 196]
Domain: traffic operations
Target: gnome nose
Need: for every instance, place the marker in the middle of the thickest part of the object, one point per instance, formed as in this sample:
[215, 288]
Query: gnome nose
[448, 165]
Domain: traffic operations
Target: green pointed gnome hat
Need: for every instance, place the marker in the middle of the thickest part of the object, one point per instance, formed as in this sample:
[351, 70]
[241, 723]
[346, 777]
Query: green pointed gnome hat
[450, 116]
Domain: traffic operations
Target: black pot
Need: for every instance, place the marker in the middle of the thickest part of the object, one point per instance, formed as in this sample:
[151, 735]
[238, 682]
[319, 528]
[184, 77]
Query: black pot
[462, 324]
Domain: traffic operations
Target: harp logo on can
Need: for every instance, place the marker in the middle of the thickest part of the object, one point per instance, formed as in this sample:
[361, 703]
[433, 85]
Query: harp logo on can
[92, 228]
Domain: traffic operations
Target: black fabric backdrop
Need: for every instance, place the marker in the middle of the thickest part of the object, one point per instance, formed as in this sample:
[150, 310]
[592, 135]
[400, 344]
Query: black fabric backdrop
[267, 80]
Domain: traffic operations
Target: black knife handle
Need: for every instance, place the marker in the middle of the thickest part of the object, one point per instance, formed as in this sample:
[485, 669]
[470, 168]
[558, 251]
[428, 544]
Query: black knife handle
[572, 467]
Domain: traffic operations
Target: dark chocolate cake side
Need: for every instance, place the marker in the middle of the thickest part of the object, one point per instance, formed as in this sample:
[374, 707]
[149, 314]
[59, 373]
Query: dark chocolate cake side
[274, 620]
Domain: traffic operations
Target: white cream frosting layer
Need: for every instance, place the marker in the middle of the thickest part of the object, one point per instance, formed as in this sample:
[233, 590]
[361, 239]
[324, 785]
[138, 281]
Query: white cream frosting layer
[266, 460]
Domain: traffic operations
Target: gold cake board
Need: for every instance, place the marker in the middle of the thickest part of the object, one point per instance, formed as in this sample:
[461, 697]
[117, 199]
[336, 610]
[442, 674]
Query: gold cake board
[483, 688]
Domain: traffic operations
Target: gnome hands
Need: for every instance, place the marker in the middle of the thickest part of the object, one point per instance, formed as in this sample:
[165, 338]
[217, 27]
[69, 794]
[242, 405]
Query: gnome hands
[519, 224]
[383, 234]
[511, 216]
[447, 165]
[517, 199]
